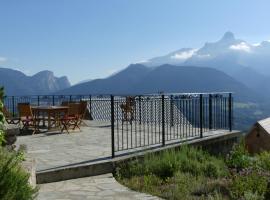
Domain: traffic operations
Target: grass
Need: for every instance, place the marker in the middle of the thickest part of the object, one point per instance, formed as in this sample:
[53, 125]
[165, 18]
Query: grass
[192, 173]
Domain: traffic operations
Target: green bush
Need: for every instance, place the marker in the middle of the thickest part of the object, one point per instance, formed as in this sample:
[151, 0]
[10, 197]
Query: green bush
[253, 196]
[192, 173]
[263, 160]
[252, 184]
[239, 157]
[13, 179]
[164, 165]
[2, 118]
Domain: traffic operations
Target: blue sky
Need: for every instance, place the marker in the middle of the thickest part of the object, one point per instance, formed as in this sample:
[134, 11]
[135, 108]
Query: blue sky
[86, 39]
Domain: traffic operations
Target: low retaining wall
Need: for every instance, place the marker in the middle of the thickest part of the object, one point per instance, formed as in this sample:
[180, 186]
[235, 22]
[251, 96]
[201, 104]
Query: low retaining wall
[219, 145]
[29, 165]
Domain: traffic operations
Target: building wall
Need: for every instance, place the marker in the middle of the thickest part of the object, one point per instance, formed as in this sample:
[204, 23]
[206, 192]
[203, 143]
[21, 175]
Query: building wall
[257, 140]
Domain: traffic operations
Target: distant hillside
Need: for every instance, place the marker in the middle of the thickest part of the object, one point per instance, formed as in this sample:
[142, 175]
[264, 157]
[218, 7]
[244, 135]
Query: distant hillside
[44, 82]
[138, 79]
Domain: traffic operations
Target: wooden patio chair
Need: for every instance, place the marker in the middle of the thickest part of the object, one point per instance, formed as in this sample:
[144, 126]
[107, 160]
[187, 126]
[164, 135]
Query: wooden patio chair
[9, 117]
[27, 118]
[82, 112]
[71, 120]
[128, 109]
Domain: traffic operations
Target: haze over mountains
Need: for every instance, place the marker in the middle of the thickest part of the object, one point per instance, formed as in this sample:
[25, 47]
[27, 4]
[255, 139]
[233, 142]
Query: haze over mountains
[44, 82]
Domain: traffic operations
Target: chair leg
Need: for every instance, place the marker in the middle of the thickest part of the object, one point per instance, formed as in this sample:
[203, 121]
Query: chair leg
[65, 127]
[36, 126]
[76, 125]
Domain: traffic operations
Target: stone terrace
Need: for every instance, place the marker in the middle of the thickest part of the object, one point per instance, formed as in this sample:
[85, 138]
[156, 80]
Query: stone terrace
[54, 150]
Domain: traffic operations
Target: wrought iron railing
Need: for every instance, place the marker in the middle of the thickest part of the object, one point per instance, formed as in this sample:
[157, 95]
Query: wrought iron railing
[146, 121]
[162, 119]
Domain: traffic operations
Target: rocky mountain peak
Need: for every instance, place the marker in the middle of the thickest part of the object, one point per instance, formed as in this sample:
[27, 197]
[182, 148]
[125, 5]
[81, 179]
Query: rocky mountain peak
[228, 36]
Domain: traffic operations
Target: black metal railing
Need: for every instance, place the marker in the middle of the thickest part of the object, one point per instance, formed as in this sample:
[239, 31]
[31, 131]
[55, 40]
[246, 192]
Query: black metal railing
[147, 121]
[163, 119]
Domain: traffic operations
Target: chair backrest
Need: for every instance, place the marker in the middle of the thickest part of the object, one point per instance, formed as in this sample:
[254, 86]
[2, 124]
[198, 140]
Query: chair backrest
[25, 110]
[130, 101]
[74, 109]
[83, 108]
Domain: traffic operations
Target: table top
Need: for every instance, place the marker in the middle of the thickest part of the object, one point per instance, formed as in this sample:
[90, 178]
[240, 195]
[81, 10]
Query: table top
[49, 107]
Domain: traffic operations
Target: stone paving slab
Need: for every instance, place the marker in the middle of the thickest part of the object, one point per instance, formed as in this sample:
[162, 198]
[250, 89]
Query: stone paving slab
[54, 150]
[95, 187]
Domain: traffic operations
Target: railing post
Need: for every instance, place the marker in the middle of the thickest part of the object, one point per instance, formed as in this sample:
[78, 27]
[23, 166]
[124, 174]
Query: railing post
[210, 112]
[171, 110]
[53, 100]
[38, 100]
[230, 112]
[112, 124]
[90, 107]
[13, 106]
[140, 110]
[70, 98]
[201, 115]
[163, 119]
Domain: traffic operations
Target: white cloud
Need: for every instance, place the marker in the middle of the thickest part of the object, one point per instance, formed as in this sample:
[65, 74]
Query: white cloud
[256, 44]
[3, 59]
[241, 47]
[184, 54]
[203, 55]
[143, 61]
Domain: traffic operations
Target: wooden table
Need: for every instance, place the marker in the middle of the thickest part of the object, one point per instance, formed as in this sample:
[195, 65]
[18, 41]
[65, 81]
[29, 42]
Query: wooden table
[54, 111]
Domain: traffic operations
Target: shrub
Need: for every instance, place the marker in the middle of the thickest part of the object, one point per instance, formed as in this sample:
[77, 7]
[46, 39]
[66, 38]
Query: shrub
[198, 162]
[251, 185]
[253, 196]
[164, 165]
[187, 186]
[2, 118]
[192, 173]
[147, 183]
[263, 160]
[13, 179]
[239, 157]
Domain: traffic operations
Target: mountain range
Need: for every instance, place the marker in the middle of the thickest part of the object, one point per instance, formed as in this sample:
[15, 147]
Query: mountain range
[44, 82]
[247, 63]
[227, 54]
[139, 79]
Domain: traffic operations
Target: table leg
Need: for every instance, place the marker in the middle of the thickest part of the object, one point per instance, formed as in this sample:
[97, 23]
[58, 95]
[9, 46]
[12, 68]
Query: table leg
[49, 120]
[43, 119]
